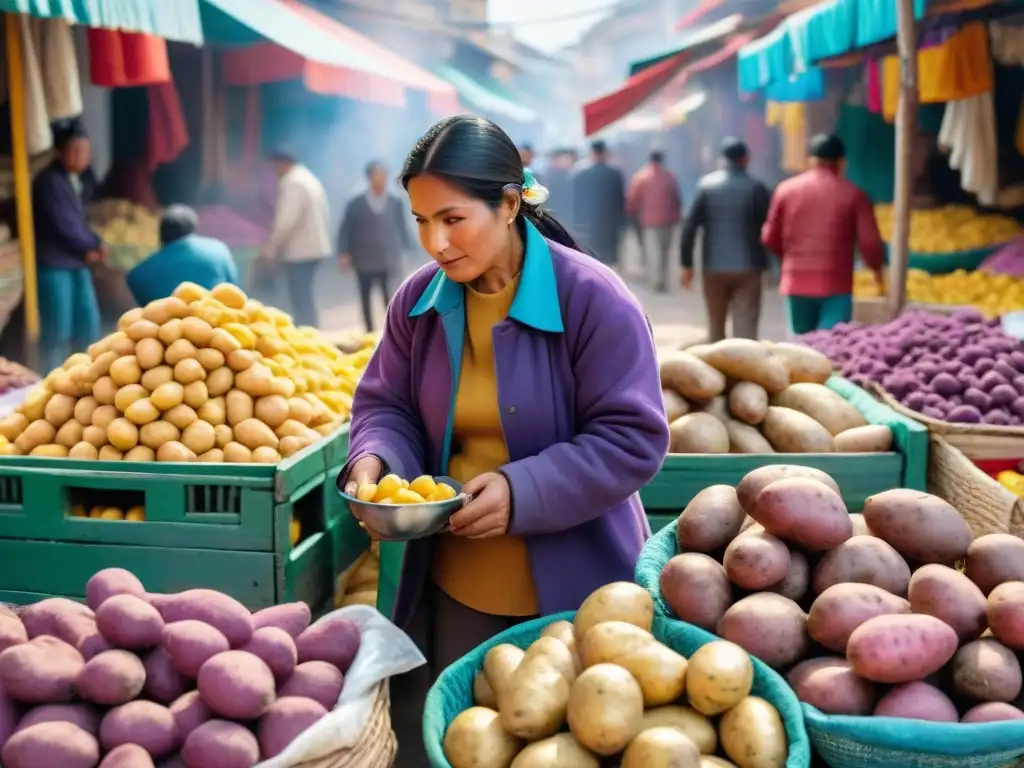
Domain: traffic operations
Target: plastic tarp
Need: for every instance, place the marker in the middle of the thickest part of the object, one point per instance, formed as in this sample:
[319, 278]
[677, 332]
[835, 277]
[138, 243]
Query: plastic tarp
[479, 96]
[807, 86]
[170, 19]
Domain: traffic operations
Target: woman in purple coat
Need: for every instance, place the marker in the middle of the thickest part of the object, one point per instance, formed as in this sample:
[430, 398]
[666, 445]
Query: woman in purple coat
[525, 370]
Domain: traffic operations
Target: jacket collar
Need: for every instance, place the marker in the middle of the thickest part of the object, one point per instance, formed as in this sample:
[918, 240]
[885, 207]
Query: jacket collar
[536, 303]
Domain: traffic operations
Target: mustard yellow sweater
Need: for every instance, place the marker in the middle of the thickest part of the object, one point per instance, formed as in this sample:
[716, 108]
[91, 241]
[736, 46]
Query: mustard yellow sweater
[492, 576]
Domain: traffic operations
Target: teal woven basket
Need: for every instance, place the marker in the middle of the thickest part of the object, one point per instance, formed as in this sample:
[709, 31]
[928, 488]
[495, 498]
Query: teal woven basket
[890, 742]
[658, 550]
[453, 691]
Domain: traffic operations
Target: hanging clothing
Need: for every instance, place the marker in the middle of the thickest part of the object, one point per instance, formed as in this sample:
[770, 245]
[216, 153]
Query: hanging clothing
[791, 120]
[167, 134]
[873, 86]
[38, 136]
[127, 59]
[1007, 43]
[968, 135]
[55, 46]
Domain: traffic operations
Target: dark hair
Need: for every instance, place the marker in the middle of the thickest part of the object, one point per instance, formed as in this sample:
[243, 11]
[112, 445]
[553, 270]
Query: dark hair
[733, 149]
[283, 154]
[177, 222]
[657, 156]
[374, 165]
[479, 158]
[599, 147]
[63, 136]
[828, 147]
[527, 147]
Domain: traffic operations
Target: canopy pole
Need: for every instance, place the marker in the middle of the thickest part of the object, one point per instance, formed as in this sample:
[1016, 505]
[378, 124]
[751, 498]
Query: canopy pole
[906, 130]
[22, 181]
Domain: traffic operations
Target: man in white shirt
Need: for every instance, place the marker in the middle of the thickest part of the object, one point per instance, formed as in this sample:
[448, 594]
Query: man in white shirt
[300, 238]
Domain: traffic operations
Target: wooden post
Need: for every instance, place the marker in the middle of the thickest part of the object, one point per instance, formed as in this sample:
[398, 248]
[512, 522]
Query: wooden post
[906, 130]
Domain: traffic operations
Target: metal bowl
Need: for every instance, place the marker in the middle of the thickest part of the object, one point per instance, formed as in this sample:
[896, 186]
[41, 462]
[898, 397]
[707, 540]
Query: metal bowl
[405, 522]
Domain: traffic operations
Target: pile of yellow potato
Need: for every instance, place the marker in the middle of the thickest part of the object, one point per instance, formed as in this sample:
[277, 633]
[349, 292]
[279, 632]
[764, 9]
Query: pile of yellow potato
[122, 222]
[993, 294]
[134, 514]
[209, 376]
[950, 228]
[604, 687]
[392, 489]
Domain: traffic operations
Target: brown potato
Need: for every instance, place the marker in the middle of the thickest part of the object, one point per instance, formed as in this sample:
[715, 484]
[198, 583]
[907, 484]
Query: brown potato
[804, 363]
[84, 452]
[690, 376]
[771, 627]
[150, 353]
[563, 632]
[220, 381]
[691, 723]
[559, 751]
[744, 438]
[873, 438]
[748, 360]
[660, 671]
[140, 453]
[155, 377]
[618, 601]
[499, 664]
[986, 670]
[661, 748]
[182, 349]
[196, 394]
[605, 709]
[253, 434]
[110, 453]
[59, 410]
[696, 588]
[127, 395]
[157, 434]
[210, 359]
[125, 371]
[753, 735]
[239, 407]
[70, 434]
[174, 452]
[993, 559]
[710, 521]
[843, 607]
[675, 405]
[199, 437]
[719, 676]
[477, 738]
[791, 431]
[198, 331]
[804, 511]
[142, 412]
[698, 433]
[172, 330]
[918, 525]
[533, 704]
[863, 560]
[188, 371]
[825, 406]
[756, 560]
[236, 453]
[37, 433]
[180, 416]
[748, 402]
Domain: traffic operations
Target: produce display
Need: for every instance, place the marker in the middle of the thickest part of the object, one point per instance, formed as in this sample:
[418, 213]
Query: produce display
[392, 489]
[744, 396]
[1008, 260]
[357, 584]
[132, 231]
[993, 295]
[135, 514]
[135, 678]
[950, 228]
[959, 368]
[866, 613]
[209, 376]
[1012, 481]
[604, 687]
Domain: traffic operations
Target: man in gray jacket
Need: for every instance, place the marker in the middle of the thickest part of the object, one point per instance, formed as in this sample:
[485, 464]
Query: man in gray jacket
[729, 208]
[373, 239]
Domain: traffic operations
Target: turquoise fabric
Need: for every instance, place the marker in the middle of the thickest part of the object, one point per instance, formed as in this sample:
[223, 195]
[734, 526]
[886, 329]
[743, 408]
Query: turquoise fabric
[200, 260]
[870, 151]
[765, 60]
[453, 691]
[485, 99]
[170, 19]
[809, 86]
[817, 313]
[876, 20]
[821, 31]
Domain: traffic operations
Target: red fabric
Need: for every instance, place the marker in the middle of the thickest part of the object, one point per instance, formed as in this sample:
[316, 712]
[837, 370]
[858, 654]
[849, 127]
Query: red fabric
[604, 111]
[168, 132]
[653, 197]
[993, 467]
[815, 222]
[127, 59]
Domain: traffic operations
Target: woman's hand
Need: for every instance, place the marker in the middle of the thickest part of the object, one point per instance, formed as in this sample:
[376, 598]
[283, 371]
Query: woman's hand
[488, 513]
[367, 470]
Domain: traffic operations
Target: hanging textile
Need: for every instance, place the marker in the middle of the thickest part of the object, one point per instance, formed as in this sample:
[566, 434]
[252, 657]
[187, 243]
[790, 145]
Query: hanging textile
[1007, 44]
[791, 120]
[127, 59]
[873, 86]
[968, 135]
[55, 46]
[167, 133]
[38, 136]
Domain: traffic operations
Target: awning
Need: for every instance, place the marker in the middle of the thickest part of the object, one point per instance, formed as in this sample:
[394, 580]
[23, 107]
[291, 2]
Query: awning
[279, 40]
[479, 96]
[703, 9]
[602, 112]
[701, 37]
[673, 90]
[170, 19]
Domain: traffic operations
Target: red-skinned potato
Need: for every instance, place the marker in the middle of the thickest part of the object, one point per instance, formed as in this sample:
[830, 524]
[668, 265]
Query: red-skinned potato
[993, 559]
[900, 648]
[805, 511]
[841, 608]
[768, 626]
[1005, 614]
[863, 560]
[696, 587]
[830, 684]
[756, 480]
[756, 560]
[947, 594]
[917, 701]
[921, 527]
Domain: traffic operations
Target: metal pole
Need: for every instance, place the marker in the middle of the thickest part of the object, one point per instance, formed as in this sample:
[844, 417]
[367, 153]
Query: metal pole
[906, 130]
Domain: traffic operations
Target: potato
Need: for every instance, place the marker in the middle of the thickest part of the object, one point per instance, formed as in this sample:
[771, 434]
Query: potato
[830, 684]
[241, 360]
[174, 452]
[748, 360]
[499, 664]
[710, 761]
[791, 431]
[214, 608]
[863, 560]
[110, 453]
[111, 678]
[189, 371]
[483, 694]
[797, 581]
[236, 685]
[716, 406]
[843, 607]
[164, 683]
[660, 671]
[696, 587]
[70, 434]
[993, 559]
[744, 438]
[168, 396]
[332, 639]
[189, 713]
[82, 715]
[917, 701]
[698, 433]
[618, 601]
[37, 433]
[748, 402]
[606, 709]
[293, 618]
[559, 751]
[986, 670]
[860, 525]
[711, 520]
[316, 680]
[142, 412]
[754, 482]
[14, 424]
[918, 525]
[67, 620]
[770, 627]
[257, 380]
[52, 451]
[272, 410]
[180, 416]
[128, 621]
[719, 676]
[276, 648]
[756, 560]
[675, 405]
[59, 409]
[239, 407]
[284, 721]
[125, 371]
[218, 742]
[158, 434]
[123, 434]
[236, 453]
[804, 363]
[691, 723]
[690, 376]
[127, 756]
[563, 632]
[85, 451]
[991, 712]
[199, 437]
[196, 330]
[301, 411]
[661, 748]
[557, 653]
[900, 648]
[825, 406]
[154, 378]
[179, 350]
[104, 416]
[804, 511]
[753, 735]
[947, 594]
[873, 438]
[161, 311]
[42, 671]
[223, 342]
[533, 704]
[12, 630]
[476, 738]
[149, 353]
[57, 744]
[1006, 614]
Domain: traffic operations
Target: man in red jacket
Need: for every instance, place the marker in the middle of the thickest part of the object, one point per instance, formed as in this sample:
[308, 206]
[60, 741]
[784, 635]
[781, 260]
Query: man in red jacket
[816, 222]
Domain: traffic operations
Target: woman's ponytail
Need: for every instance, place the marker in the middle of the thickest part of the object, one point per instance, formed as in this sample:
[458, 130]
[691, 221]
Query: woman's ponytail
[550, 227]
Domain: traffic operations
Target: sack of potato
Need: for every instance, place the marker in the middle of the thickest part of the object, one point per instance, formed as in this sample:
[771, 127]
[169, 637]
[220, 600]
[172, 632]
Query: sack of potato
[209, 376]
[612, 682]
[745, 396]
[866, 614]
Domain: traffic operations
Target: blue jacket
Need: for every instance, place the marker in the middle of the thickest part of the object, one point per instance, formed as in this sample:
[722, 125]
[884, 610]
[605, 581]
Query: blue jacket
[63, 237]
[201, 260]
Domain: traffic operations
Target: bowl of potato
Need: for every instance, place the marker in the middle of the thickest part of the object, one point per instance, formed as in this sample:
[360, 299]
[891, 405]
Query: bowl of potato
[395, 509]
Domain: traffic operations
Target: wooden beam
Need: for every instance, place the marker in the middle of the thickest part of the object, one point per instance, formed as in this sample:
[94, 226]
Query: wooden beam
[906, 130]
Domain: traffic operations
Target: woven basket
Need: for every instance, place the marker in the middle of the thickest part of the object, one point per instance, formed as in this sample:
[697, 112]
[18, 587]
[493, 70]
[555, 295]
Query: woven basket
[376, 747]
[453, 691]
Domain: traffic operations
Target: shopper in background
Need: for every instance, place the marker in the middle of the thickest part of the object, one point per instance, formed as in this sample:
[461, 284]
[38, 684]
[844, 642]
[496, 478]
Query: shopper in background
[527, 156]
[729, 210]
[817, 222]
[653, 202]
[599, 205]
[373, 239]
[558, 180]
[300, 238]
[65, 248]
[183, 257]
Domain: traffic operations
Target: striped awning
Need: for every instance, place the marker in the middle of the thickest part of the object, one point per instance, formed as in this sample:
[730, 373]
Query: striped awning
[170, 19]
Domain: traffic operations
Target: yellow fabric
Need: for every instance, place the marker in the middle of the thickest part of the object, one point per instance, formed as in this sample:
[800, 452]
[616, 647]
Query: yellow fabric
[488, 575]
[791, 119]
[960, 68]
